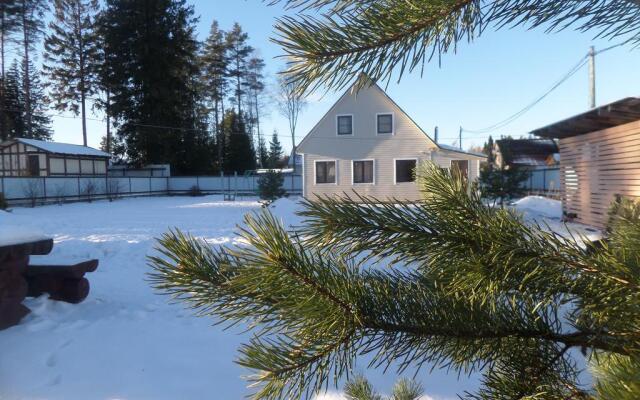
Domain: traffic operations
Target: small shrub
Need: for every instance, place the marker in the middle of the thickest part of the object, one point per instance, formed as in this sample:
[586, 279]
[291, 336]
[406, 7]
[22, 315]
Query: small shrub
[59, 193]
[270, 186]
[3, 202]
[31, 191]
[195, 191]
[89, 191]
[113, 189]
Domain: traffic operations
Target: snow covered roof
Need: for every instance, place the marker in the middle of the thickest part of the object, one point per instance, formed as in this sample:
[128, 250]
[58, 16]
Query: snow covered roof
[63, 148]
[459, 150]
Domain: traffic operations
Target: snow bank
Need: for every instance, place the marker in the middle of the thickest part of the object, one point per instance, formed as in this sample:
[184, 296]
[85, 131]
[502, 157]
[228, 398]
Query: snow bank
[541, 206]
[13, 230]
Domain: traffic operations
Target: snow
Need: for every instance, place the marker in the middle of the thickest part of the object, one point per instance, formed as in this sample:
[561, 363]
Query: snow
[64, 148]
[12, 230]
[126, 341]
[542, 206]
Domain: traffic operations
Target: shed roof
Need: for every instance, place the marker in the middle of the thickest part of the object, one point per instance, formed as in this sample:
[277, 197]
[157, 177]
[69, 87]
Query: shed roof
[63, 148]
[527, 151]
[617, 113]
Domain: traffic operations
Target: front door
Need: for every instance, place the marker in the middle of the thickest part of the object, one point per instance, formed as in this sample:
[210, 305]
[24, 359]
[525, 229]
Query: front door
[34, 166]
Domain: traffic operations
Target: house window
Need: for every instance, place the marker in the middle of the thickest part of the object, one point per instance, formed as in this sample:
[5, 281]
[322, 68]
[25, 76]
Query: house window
[345, 125]
[461, 166]
[385, 123]
[325, 171]
[362, 171]
[405, 170]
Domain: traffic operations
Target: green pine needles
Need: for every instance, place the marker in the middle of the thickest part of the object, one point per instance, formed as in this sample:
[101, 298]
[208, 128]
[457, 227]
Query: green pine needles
[328, 43]
[446, 282]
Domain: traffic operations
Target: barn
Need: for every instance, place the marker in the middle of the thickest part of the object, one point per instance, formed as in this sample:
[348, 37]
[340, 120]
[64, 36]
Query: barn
[599, 159]
[30, 157]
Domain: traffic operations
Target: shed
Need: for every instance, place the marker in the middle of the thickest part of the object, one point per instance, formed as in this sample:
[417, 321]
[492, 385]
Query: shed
[527, 153]
[30, 157]
[599, 158]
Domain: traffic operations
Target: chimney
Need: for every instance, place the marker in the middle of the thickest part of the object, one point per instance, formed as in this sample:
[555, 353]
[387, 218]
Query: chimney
[435, 134]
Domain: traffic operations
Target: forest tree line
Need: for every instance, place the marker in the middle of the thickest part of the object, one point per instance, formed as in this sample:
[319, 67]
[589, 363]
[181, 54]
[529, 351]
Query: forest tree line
[165, 96]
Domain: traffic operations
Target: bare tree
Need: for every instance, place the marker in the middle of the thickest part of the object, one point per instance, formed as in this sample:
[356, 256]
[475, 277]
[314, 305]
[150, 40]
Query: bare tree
[89, 190]
[113, 189]
[32, 191]
[290, 104]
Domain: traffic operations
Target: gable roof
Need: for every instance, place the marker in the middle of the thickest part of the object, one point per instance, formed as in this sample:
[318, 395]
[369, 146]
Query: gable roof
[62, 148]
[375, 85]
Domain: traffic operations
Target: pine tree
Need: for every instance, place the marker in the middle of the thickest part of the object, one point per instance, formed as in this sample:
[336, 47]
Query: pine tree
[13, 114]
[72, 56]
[150, 65]
[31, 19]
[240, 155]
[214, 65]
[36, 114]
[8, 28]
[239, 52]
[501, 182]
[270, 186]
[255, 88]
[378, 38]
[275, 152]
[263, 153]
[445, 283]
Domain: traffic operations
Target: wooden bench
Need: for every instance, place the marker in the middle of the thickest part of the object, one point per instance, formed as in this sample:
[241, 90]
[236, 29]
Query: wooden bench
[19, 279]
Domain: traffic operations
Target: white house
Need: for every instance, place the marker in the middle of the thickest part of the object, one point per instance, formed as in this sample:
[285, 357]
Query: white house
[366, 143]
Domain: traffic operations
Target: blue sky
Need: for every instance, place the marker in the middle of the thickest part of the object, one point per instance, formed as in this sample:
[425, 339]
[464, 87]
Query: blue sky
[484, 83]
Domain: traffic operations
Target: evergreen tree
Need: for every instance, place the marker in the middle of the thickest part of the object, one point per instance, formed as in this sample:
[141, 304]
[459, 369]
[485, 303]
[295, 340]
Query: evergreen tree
[8, 28]
[263, 153]
[270, 186]
[72, 56]
[150, 65]
[501, 182]
[15, 116]
[31, 19]
[255, 88]
[446, 282]
[275, 152]
[239, 52]
[214, 65]
[240, 155]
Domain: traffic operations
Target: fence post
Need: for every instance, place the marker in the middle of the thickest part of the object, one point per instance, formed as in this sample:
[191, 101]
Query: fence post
[79, 191]
[44, 188]
[544, 179]
[150, 185]
[235, 182]
[129, 185]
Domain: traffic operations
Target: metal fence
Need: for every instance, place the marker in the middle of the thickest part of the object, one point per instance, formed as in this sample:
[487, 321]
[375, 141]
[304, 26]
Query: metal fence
[543, 181]
[23, 190]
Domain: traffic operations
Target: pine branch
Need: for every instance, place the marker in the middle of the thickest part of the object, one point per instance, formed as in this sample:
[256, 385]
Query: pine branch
[378, 37]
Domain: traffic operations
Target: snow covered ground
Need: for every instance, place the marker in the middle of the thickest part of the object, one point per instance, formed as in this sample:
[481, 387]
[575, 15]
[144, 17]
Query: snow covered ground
[127, 342]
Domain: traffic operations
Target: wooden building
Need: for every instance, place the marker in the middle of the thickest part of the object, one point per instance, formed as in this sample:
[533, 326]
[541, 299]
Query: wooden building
[599, 159]
[30, 157]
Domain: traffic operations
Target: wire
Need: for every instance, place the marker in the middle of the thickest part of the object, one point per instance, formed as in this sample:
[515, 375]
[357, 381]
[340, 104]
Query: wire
[581, 63]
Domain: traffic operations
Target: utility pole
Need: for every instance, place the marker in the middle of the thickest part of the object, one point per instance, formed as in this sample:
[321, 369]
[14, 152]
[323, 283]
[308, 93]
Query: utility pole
[460, 138]
[592, 77]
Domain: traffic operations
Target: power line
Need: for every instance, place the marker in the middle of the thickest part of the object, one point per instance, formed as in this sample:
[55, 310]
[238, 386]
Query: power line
[581, 63]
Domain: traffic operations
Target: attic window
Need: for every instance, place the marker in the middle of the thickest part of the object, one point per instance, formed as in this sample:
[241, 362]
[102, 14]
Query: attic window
[385, 123]
[345, 125]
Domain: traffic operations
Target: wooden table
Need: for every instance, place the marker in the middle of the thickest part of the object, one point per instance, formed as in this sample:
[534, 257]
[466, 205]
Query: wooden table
[19, 279]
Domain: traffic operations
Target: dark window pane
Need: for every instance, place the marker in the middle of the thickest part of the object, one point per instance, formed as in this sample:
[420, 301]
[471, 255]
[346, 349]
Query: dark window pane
[363, 171]
[462, 166]
[385, 123]
[345, 126]
[326, 172]
[405, 171]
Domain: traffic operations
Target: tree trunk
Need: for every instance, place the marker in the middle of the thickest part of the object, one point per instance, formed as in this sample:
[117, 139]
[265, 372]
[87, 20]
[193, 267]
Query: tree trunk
[83, 81]
[3, 111]
[26, 78]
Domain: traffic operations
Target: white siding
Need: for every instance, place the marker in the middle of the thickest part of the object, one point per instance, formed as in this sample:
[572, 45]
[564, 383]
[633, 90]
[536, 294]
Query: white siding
[407, 142]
